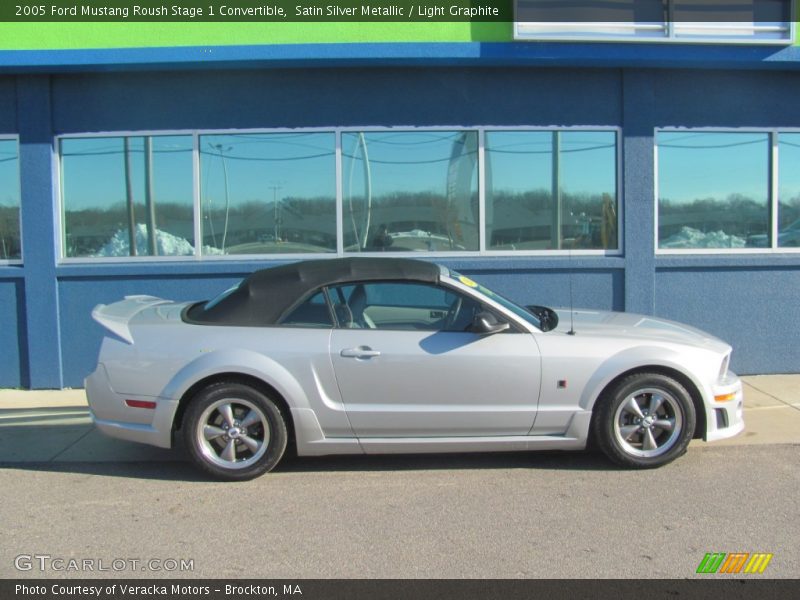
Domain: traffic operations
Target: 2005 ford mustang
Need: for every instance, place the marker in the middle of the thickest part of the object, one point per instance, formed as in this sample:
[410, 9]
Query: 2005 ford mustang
[391, 355]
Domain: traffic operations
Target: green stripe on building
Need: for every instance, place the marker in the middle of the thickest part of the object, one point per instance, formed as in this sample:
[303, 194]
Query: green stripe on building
[80, 36]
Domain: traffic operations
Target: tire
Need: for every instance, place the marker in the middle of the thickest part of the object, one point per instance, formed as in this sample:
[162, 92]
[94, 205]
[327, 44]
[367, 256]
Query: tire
[630, 435]
[234, 432]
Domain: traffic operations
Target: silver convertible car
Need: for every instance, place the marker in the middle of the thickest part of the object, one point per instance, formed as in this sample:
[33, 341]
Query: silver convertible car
[391, 355]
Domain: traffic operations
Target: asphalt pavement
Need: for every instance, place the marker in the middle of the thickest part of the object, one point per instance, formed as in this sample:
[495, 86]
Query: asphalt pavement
[73, 494]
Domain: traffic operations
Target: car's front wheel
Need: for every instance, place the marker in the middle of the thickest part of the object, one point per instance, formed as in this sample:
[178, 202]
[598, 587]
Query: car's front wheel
[646, 420]
[234, 431]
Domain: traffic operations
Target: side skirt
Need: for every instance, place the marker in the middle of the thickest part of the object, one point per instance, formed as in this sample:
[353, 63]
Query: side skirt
[573, 439]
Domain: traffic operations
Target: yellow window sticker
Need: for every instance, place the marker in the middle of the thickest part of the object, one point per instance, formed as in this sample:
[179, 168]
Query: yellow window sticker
[467, 281]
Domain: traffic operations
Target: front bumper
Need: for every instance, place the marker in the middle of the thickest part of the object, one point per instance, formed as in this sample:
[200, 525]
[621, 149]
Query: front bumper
[725, 419]
[115, 418]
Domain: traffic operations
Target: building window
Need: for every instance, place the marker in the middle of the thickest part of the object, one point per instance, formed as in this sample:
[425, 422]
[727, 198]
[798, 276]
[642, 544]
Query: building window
[299, 193]
[743, 21]
[10, 245]
[713, 189]
[268, 193]
[789, 190]
[410, 190]
[127, 196]
[551, 190]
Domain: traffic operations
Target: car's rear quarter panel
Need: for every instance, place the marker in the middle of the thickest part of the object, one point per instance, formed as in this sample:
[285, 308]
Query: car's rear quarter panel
[175, 356]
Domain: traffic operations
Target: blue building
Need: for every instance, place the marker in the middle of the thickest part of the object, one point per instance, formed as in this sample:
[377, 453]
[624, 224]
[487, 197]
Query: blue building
[652, 169]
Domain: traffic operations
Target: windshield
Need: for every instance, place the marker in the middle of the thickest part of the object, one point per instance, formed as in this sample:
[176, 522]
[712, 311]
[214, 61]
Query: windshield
[515, 308]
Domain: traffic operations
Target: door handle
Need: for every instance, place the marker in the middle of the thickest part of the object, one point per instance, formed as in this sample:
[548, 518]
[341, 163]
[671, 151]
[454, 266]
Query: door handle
[360, 352]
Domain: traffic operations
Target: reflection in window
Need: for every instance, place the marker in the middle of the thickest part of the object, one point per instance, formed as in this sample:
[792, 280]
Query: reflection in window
[9, 201]
[590, 19]
[268, 193]
[551, 190]
[713, 189]
[755, 21]
[410, 191]
[127, 196]
[789, 190]
[276, 193]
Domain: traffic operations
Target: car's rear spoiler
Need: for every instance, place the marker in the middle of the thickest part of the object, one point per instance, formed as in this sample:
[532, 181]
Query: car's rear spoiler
[116, 317]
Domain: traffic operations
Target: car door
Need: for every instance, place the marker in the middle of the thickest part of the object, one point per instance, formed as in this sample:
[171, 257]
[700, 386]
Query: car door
[407, 366]
[303, 343]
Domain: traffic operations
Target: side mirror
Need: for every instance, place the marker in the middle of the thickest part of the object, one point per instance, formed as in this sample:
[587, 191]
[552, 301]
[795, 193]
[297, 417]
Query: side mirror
[485, 323]
[548, 318]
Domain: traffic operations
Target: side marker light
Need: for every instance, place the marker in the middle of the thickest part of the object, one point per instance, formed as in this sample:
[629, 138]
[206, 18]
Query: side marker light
[141, 404]
[724, 397]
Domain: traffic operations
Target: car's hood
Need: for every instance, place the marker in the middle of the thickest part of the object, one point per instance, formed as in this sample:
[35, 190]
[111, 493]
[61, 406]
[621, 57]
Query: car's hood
[633, 326]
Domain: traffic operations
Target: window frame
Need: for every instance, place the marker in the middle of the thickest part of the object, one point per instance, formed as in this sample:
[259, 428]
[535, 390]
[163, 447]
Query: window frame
[9, 262]
[513, 325]
[60, 212]
[773, 186]
[340, 252]
[481, 180]
[281, 322]
[619, 195]
[199, 133]
[667, 27]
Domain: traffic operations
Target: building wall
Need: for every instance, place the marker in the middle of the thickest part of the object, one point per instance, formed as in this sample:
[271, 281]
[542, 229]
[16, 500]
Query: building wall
[335, 97]
[755, 306]
[13, 371]
[749, 300]
[12, 337]
[8, 104]
[753, 301]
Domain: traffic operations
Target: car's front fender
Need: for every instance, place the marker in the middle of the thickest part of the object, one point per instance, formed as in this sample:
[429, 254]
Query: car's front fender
[644, 357]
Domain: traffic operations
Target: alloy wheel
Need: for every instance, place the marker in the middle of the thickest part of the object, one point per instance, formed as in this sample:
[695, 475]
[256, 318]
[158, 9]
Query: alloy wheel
[648, 422]
[233, 433]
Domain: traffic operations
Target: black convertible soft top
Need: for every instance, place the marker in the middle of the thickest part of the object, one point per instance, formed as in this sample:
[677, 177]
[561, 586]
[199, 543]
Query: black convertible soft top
[265, 296]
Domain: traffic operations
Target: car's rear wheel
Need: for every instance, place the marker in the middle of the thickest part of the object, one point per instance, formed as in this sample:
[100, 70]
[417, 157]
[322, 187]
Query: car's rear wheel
[234, 431]
[644, 421]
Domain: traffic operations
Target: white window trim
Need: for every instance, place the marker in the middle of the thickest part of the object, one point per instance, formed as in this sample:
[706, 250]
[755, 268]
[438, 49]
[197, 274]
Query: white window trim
[197, 206]
[774, 189]
[482, 189]
[773, 134]
[337, 132]
[618, 251]
[13, 262]
[59, 186]
[339, 196]
[670, 38]
[532, 31]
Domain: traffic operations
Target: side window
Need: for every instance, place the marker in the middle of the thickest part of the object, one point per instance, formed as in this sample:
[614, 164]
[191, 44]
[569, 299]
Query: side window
[402, 306]
[311, 313]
